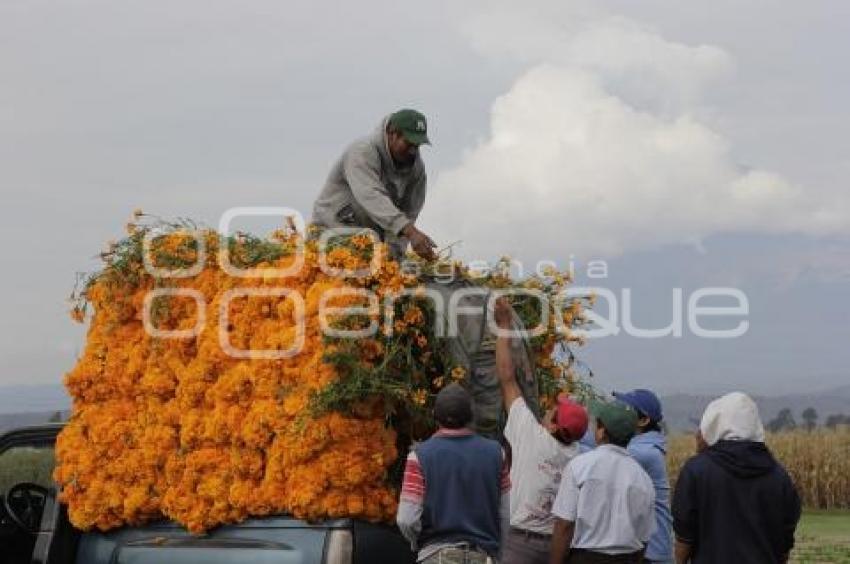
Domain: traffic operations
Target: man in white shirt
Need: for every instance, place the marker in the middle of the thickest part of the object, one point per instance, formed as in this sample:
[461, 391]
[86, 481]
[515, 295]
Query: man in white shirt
[605, 504]
[540, 451]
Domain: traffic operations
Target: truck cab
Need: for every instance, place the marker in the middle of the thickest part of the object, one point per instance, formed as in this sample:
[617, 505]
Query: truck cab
[34, 526]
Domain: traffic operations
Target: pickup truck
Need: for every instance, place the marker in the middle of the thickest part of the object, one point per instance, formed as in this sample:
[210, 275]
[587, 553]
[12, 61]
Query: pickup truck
[34, 527]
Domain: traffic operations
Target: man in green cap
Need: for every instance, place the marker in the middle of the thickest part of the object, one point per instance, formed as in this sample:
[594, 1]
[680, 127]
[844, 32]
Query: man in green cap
[604, 510]
[379, 182]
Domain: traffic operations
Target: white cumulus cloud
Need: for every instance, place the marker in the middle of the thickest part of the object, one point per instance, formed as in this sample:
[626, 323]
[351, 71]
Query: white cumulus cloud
[598, 148]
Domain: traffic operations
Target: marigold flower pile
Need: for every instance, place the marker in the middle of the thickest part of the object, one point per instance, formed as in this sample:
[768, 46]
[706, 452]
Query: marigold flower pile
[169, 423]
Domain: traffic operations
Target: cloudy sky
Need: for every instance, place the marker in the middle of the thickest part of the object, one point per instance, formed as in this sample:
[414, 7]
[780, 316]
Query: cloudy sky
[688, 145]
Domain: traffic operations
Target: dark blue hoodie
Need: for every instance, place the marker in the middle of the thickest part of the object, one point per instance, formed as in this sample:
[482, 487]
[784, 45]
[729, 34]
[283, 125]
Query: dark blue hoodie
[735, 504]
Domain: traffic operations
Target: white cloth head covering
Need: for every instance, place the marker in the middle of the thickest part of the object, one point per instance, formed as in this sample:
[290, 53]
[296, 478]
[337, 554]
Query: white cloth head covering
[733, 417]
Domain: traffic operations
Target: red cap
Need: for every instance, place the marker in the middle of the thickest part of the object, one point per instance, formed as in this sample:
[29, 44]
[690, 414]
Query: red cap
[571, 417]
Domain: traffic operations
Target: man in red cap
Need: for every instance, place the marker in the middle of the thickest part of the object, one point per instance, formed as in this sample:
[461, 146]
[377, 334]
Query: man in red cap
[540, 451]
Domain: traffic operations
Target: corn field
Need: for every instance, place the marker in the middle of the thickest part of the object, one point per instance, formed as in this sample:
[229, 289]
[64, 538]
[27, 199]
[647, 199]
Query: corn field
[818, 462]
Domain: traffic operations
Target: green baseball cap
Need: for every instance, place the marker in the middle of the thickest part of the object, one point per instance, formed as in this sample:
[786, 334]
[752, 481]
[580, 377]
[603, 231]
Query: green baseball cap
[619, 420]
[412, 125]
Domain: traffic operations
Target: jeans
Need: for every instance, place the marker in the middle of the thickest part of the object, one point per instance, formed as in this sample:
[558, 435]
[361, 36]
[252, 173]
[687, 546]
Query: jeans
[458, 556]
[524, 548]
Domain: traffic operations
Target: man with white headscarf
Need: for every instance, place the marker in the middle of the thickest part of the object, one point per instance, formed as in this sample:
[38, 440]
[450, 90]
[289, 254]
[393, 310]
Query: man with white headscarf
[733, 501]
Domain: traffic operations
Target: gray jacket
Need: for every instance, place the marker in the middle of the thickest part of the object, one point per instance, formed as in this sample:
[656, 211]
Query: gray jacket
[366, 189]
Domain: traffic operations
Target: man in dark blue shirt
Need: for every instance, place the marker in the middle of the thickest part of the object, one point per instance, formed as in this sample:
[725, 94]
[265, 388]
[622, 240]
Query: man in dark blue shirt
[734, 503]
[453, 506]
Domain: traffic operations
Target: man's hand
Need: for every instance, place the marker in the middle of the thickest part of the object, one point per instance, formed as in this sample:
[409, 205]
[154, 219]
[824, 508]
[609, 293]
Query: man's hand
[683, 552]
[421, 243]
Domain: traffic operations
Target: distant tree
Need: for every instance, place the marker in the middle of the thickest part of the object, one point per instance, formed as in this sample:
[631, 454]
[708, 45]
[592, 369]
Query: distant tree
[784, 421]
[835, 420]
[810, 418]
[56, 417]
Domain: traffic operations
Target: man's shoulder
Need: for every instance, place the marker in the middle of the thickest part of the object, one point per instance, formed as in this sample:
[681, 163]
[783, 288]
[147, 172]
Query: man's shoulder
[522, 425]
[605, 456]
[696, 464]
[649, 456]
[519, 411]
[362, 148]
[781, 475]
[492, 443]
[470, 440]
[462, 434]
[584, 460]
[639, 473]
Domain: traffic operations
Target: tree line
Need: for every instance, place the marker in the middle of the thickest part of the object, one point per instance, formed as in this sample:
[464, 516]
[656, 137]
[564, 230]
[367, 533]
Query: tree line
[784, 420]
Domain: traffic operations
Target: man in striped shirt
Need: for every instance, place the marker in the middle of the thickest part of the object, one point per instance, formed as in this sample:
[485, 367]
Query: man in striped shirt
[455, 495]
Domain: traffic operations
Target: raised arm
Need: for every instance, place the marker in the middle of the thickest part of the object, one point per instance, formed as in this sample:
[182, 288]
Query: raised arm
[504, 365]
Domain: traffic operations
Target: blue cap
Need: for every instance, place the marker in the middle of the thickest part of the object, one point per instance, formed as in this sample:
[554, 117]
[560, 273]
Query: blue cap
[643, 401]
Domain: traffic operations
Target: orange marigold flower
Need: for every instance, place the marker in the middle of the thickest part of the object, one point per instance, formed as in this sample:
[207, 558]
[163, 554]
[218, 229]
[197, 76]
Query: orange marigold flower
[78, 314]
[361, 241]
[458, 373]
[181, 429]
[413, 316]
[419, 397]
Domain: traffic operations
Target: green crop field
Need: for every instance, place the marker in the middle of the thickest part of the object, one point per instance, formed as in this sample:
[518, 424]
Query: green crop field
[823, 536]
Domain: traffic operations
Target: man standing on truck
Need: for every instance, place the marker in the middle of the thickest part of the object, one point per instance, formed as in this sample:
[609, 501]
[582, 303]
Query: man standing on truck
[540, 451]
[454, 497]
[379, 183]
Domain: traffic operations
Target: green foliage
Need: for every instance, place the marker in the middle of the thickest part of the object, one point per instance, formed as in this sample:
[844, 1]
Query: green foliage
[823, 536]
[784, 421]
[836, 419]
[403, 374]
[810, 418]
[124, 260]
[247, 250]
